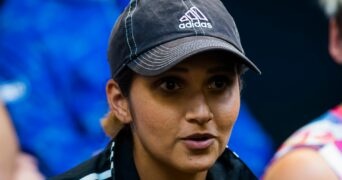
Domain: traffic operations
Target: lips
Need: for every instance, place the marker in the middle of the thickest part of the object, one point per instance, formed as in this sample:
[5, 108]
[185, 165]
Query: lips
[198, 141]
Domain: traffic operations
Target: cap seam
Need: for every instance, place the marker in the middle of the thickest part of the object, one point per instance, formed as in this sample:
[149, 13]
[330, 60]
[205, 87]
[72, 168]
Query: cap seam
[135, 45]
[227, 40]
[129, 25]
[160, 31]
[126, 30]
[167, 59]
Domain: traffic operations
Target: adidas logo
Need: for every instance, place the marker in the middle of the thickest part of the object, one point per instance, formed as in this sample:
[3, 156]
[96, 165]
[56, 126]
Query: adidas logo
[194, 18]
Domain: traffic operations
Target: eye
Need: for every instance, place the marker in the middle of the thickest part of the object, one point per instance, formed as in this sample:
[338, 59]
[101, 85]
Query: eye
[219, 83]
[170, 84]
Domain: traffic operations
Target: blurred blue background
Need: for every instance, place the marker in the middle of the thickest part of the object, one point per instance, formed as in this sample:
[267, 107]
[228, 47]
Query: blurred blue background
[53, 73]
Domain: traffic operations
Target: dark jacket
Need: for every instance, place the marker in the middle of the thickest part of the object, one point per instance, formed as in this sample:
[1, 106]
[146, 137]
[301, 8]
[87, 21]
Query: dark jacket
[116, 162]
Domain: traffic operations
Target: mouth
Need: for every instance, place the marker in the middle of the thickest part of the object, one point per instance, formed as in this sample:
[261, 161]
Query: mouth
[198, 141]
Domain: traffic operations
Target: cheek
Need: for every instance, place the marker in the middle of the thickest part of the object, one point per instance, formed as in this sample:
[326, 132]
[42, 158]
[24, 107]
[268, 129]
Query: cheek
[226, 114]
[153, 118]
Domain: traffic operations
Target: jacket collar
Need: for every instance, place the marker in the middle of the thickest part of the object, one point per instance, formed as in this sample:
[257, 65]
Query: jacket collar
[228, 166]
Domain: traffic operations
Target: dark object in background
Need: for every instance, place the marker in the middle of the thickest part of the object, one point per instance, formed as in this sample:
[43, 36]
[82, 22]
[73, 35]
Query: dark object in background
[288, 42]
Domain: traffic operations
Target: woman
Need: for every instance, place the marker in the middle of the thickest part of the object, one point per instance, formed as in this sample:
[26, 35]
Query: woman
[175, 93]
[314, 151]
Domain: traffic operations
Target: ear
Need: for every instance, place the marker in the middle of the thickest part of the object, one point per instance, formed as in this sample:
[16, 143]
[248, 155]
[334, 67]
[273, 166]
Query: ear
[118, 103]
[335, 41]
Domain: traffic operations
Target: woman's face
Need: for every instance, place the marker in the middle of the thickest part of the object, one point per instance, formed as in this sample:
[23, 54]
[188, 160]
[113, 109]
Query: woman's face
[182, 119]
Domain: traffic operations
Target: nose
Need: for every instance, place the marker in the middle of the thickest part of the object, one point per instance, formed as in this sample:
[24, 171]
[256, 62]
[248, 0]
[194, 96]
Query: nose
[199, 111]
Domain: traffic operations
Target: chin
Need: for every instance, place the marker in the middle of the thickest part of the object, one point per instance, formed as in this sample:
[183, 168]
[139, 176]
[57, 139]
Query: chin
[198, 165]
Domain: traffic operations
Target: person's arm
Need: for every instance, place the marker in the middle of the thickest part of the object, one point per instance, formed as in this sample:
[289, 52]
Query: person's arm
[8, 144]
[300, 164]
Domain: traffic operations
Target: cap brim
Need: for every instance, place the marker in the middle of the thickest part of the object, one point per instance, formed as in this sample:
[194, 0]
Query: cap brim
[165, 56]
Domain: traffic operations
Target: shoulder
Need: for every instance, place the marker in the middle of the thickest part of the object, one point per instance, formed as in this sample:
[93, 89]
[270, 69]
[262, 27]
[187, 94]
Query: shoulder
[98, 167]
[313, 135]
[230, 166]
[302, 163]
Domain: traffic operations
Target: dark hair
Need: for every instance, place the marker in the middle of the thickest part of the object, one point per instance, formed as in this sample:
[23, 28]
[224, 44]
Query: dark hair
[124, 80]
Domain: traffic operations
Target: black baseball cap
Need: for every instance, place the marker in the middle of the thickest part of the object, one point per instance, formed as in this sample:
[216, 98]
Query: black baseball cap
[151, 36]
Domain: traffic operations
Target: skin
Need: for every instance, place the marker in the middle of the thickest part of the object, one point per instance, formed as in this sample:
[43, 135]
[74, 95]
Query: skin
[26, 168]
[14, 165]
[300, 164]
[199, 95]
[8, 144]
[305, 163]
[335, 42]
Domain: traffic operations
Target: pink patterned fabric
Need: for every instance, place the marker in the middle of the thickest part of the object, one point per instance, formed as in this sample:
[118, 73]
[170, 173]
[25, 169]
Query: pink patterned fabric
[338, 111]
[323, 135]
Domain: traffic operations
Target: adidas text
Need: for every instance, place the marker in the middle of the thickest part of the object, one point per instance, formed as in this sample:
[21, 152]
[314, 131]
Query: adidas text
[196, 24]
[194, 18]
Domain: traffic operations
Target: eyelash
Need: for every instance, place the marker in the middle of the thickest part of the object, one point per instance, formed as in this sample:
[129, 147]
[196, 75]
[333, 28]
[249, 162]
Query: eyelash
[176, 83]
[219, 78]
[162, 83]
